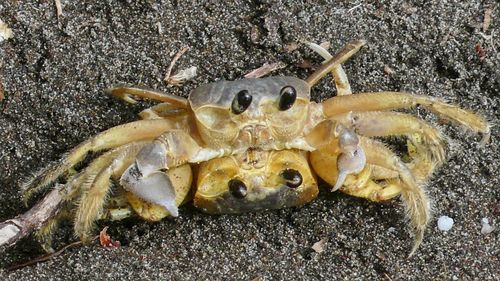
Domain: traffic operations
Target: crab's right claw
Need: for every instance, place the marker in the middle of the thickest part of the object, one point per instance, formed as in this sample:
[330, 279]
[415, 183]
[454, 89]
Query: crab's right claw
[154, 188]
[352, 160]
[146, 180]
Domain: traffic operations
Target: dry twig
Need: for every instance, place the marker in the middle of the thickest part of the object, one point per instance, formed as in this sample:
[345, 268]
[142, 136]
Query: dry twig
[487, 19]
[45, 257]
[265, 69]
[13, 230]
[174, 60]
[58, 8]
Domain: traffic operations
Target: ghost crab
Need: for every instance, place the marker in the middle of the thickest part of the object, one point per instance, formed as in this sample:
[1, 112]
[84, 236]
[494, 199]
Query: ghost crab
[252, 143]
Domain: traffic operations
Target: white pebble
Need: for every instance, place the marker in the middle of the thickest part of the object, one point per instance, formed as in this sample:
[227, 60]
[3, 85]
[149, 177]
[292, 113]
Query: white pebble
[445, 223]
[486, 228]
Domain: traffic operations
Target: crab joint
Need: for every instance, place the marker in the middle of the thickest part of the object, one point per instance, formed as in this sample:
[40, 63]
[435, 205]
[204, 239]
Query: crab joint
[352, 160]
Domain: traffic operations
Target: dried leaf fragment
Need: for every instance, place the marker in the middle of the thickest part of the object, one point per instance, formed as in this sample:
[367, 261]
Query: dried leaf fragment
[182, 76]
[106, 240]
[320, 246]
[5, 31]
[480, 51]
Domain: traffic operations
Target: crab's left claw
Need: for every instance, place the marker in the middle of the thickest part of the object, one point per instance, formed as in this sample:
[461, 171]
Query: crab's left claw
[352, 160]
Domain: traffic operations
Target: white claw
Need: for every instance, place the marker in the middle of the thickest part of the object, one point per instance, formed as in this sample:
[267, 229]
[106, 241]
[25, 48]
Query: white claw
[145, 179]
[352, 160]
[340, 181]
[154, 188]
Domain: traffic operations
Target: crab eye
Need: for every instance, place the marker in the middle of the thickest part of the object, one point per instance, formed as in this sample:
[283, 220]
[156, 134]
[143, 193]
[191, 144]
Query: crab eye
[292, 178]
[288, 95]
[241, 102]
[237, 188]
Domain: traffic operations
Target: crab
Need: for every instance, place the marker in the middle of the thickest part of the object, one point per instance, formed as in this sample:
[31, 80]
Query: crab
[254, 144]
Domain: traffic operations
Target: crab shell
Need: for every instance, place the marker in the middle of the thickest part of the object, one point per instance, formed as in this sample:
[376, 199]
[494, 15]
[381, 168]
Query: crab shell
[261, 125]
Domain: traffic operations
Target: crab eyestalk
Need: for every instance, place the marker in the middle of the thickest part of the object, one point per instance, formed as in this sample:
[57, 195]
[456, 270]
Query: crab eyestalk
[241, 102]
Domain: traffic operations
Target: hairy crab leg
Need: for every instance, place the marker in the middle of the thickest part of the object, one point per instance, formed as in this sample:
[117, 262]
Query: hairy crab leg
[114, 137]
[96, 186]
[399, 100]
[413, 195]
[344, 54]
[339, 76]
[126, 94]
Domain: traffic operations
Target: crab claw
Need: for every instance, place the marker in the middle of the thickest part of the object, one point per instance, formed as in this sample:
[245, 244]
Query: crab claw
[352, 160]
[155, 188]
[146, 180]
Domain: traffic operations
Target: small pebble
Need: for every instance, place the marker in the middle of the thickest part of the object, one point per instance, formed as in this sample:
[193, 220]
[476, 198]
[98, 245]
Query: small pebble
[486, 228]
[445, 223]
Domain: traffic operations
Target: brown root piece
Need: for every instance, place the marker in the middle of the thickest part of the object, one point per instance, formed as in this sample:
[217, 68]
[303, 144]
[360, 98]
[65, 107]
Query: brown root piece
[45, 257]
[13, 230]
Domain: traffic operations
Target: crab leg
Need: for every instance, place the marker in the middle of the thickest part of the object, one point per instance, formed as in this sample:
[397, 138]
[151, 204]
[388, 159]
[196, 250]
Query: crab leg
[414, 197]
[96, 187]
[344, 54]
[399, 100]
[114, 137]
[162, 110]
[339, 77]
[381, 124]
[126, 94]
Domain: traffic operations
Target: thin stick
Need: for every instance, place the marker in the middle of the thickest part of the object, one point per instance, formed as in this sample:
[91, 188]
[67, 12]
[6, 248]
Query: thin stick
[265, 69]
[13, 230]
[58, 8]
[174, 60]
[46, 257]
[340, 57]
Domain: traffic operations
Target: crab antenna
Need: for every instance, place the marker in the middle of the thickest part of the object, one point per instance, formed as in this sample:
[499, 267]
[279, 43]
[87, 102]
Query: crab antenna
[344, 54]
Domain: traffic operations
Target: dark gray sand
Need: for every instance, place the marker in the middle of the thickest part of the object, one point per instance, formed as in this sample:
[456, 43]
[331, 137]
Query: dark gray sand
[53, 73]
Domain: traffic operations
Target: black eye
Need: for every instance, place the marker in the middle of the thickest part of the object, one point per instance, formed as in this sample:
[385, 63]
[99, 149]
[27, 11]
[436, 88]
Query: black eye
[237, 188]
[241, 102]
[288, 95]
[292, 178]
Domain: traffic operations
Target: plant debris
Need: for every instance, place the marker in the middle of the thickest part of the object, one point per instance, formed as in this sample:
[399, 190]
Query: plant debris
[388, 70]
[487, 19]
[177, 56]
[2, 95]
[106, 240]
[265, 69]
[58, 8]
[480, 51]
[183, 76]
[5, 31]
[319, 247]
[45, 257]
